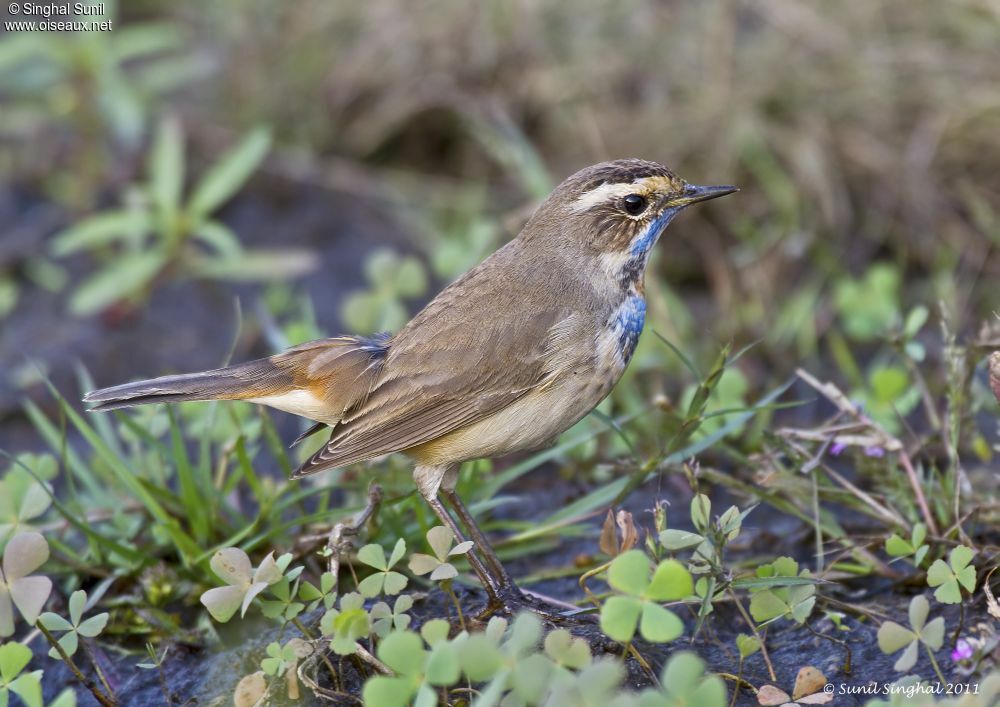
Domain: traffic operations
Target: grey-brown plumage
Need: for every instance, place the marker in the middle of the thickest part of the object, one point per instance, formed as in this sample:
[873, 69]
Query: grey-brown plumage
[504, 359]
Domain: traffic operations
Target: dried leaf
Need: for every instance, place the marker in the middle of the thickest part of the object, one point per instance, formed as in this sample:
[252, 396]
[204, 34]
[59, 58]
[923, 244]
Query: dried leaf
[249, 690]
[809, 680]
[992, 606]
[629, 535]
[609, 536]
[771, 696]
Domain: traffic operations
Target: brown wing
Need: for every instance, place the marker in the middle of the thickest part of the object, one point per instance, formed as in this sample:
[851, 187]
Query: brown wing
[478, 347]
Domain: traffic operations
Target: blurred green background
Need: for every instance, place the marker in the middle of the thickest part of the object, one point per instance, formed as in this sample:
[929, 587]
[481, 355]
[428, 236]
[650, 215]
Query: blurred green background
[332, 164]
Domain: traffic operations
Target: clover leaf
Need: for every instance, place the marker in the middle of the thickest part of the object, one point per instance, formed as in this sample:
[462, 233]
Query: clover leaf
[74, 627]
[280, 659]
[22, 497]
[892, 637]
[795, 601]
[243, 583]
[384, 580]
[385, 619]
[347, 624]
[440, 539]
[25, 553]
[898, 547]
[685, 683]
[14, 657]
[326, 592]
[418, 671]
[949, 576]
[639, 592]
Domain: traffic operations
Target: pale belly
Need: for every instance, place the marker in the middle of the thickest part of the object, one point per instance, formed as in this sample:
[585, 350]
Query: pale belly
[538, 418]
[532, 422]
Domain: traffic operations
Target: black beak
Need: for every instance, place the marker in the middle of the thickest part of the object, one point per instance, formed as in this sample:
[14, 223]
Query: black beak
[694, 193]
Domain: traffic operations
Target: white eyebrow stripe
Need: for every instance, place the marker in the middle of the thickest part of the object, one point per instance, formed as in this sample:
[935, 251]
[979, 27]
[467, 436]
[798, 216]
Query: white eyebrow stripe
[602, 194]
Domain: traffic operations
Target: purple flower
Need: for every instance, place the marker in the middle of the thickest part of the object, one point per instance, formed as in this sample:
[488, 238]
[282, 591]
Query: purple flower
[837, 448]
[874, 451]
[963, 651]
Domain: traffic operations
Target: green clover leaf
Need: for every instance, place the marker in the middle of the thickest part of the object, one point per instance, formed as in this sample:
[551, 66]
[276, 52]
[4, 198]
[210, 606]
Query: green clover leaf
[781, 597]
[14, 657]
[74, 627]
[385, 619]
[22, 497]
[637, 604]
[893, 637]
[384, 579]
[898, 547]
[949, 576]
[346, 625]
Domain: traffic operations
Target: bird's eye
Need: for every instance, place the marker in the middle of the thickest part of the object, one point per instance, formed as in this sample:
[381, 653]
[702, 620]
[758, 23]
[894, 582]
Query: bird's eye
[634, 204]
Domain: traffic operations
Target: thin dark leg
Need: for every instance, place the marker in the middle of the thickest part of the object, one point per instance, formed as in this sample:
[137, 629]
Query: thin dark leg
[478, 537]
[491, 584]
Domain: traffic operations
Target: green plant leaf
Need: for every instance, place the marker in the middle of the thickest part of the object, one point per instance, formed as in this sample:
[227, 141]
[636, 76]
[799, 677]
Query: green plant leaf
[680, 540]
[671, 581]
[892, 637]
[222, 239]
[229, 174]
[567, 649]
[402, 651]
[101, 230]
[747, 645]
[373, 555]
[620, 617]
[480, 657]
[629, 572]
[118, 280]
[54, 622]
[93, 626]
[166, 167]
[388, 692]
[933, 633]
[701, 512]
[13, 659]
[659, 625]
[257, 265]
[442, 664]
[897, 547]
[766, 605]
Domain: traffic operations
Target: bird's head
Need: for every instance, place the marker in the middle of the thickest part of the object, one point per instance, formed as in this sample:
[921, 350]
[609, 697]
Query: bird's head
[616, 210]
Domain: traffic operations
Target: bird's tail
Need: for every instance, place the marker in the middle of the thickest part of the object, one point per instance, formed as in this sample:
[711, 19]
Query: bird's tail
[240, 382]
[318, 380]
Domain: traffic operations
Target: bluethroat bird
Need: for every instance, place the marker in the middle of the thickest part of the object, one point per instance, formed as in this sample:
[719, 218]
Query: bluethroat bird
[504, 359]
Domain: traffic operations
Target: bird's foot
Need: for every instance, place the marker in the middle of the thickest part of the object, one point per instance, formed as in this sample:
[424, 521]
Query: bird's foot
[510, 600]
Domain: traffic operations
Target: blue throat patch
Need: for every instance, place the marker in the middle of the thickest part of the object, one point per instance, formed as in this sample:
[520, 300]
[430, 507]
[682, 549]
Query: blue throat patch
[645, 242]
[628, 322]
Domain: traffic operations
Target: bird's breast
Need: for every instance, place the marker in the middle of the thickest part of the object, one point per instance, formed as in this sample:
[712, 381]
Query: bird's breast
[617, 340]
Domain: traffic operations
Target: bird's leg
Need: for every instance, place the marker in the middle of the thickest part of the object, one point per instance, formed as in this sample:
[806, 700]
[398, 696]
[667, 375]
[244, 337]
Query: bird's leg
[482, 544]
[429, 481]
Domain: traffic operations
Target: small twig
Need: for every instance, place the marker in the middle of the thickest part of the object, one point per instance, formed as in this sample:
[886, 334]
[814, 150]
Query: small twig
[106, 700]
[446, 586]
[756, 632]
[843, 644]
[377, 664]
[739, 680]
